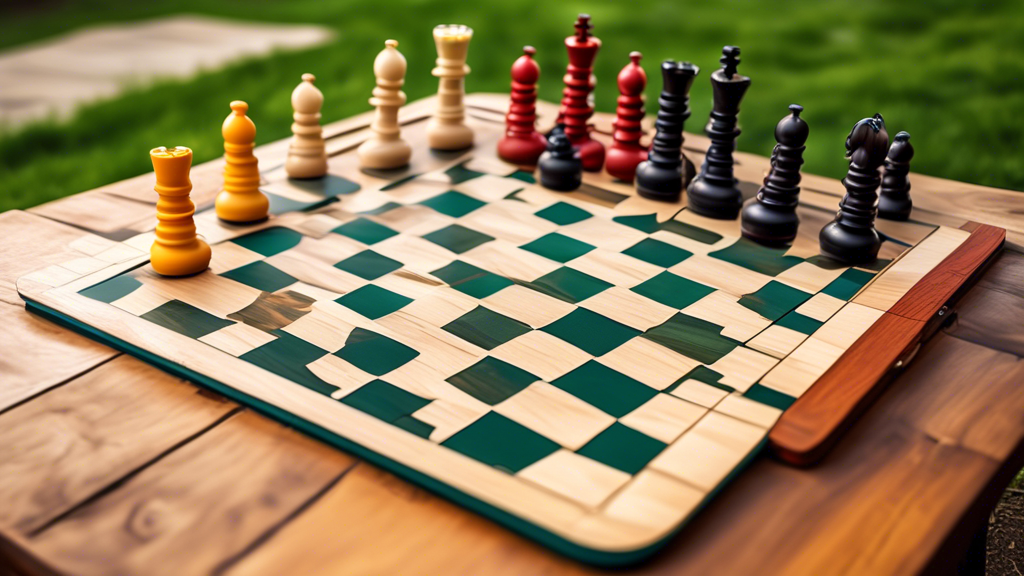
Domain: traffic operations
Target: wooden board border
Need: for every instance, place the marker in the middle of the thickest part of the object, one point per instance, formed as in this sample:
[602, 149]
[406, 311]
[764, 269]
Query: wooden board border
[806, 431]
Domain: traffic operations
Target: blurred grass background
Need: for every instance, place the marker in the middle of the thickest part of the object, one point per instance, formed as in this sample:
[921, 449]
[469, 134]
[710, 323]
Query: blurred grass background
[947, 71]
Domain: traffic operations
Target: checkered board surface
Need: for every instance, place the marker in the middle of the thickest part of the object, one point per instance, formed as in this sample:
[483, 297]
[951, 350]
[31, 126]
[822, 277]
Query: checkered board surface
[592, 369]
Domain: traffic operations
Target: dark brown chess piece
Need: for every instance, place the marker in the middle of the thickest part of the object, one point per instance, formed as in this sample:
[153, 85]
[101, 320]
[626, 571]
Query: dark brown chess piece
[894, 199]
[626, 152]
[663, 175]
[560, 166]
[522, 143]
[771, 219]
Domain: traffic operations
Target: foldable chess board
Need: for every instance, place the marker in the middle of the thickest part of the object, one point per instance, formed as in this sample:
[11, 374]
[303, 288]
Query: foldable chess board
[588, 368]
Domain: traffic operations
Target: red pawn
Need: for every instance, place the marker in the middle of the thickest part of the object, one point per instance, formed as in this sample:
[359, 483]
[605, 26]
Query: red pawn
[626, 152]
[579, 83]
[522, 143]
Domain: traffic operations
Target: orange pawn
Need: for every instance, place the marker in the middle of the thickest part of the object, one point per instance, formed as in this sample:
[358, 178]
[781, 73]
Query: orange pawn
[177, 251]
[241, 200]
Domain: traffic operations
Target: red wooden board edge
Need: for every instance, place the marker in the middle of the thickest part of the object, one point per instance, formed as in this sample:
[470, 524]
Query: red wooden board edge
[817, 419]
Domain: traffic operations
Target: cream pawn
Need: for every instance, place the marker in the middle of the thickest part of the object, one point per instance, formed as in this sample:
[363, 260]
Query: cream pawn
[307, 153]
[176, 251]
[241, 200]
[447, 130]
[385, 148]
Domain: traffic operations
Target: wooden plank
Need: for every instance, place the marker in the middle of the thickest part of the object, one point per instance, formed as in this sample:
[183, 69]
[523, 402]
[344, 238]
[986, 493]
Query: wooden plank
[990, 314]
[197, 508]
[70, 444]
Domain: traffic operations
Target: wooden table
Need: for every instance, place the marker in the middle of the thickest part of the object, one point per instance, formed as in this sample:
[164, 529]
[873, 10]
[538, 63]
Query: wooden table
[110, 466]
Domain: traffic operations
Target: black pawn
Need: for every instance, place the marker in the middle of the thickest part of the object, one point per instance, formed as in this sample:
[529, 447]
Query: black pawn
[663, 175]
[560, 165]
[894, 200]
[772, 219]
[715, 192]
[851, 238]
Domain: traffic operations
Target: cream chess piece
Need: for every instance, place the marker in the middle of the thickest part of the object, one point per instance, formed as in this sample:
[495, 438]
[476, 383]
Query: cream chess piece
[307, 153]
[385, 148]
[447, 130]
[241, 201]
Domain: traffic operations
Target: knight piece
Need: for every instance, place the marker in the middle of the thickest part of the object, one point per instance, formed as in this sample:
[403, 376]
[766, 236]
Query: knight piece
[851, 238]
[663, 176]
[771, 219]
[579, 81]
[386, 149]
[447, 130]
[714, 193]
[522, 143]
[626, 152]
[560, 166]
[894, 199]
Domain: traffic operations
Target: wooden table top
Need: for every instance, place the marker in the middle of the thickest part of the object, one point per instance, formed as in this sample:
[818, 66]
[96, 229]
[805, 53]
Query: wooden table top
[108, 465]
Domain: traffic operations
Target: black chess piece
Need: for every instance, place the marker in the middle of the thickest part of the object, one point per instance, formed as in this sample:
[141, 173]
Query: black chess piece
[663, 175]
[851, 238]
[714, 192]
[560, 165]
[894, 199]
[771, 219]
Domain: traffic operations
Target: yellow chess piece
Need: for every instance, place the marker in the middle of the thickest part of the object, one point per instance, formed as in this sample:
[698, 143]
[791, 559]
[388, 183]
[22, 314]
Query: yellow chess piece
[241, 200]
[177, 251]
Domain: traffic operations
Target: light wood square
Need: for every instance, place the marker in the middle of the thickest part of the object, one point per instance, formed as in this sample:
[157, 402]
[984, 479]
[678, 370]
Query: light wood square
[314, 292]
[742, 367]
[699, 393]
[615, 267]
[409, 283]
[809, 277]
[207, 291]
[603, 233]
[443, 350]
[315, 272]
[541, 354]
[91, 244]
[629, 308]
[847, 325]
[83, 266]
[735, 280]
[330, 249]
[228, 256]
[528, 306]
[722, 308]
[449, 417]
[412, 218]
[708, 452]
[648, 362]
[575, 477]
[322, 329]
[654, 500]
[52, 276]
[689, 244]
[119, 253]
[319, 225]
[727, 228]
[664, 417]
[502, 221]
[777, 341]
[414, 253]
[820, 307]
[505, 259]
[237, 339]
[555, 414]
[140, 300]
[338, 372]
[796, 373]
[490, 188]
[743, 408]
[442, 306]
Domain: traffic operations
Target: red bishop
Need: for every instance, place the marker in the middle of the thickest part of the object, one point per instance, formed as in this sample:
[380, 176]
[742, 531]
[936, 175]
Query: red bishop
[522, 143]
[626, 152]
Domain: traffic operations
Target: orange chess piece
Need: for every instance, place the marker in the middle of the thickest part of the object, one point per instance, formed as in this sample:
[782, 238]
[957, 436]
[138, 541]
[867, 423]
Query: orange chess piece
[177, 251]
[241, 200]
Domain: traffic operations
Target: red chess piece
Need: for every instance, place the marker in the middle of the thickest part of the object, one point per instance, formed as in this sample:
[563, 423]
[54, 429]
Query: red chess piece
[626, 152]
[522, 143]
[579, 83]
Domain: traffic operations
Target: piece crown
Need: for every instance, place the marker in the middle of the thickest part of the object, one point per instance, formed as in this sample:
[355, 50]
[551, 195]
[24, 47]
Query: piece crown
[307, 98]
[901, 149]
[632, 79]
[792, 130]
[390, 64]
[583, 28]
[238, 128]
[730, 60]
[525, 69]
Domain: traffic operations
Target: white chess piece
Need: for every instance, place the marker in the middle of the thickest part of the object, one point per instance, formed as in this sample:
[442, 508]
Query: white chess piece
[385, 148]
[307, 153]
[447, 130]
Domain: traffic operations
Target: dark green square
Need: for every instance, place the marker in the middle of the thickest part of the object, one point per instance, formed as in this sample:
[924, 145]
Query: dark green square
[563, 214]
[486, 328]
[765, 395]
[492, 381]
[270, 241]
[672, 290]
[390, 404]
[458, 238]
[114, 289]
[622, 447]
[753, 256]
[459, 173]
[368, 265]
[373, 301]
[261, 276]
[797, 321]
[469, 279]
[608, 390]
[185, 319]
[848, 284]
[497, 441]
[568, 285]
[374, 353]
[453, 203]
[287, 356]
[774, 300]
[701, 374]
[365, 231]
[590, 331]
[693, 338]
[558, 247]
[657, 252]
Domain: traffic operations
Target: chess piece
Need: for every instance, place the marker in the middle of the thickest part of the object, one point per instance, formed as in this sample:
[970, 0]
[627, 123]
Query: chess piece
[241, 201]
[771, 219]
[385, 148]
[522, 143]
[714, 193]
[626, 152]
[307, 153]
[447, 130]
[177, 251]
[560, 166]
[851, 238]
[894, 199]
[663, 175]
[576, 107]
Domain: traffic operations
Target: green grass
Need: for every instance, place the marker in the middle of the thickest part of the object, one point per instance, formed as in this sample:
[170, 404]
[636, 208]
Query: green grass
[947, 71]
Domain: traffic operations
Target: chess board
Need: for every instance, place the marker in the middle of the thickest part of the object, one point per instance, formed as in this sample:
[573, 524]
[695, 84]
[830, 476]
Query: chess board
[587, 368]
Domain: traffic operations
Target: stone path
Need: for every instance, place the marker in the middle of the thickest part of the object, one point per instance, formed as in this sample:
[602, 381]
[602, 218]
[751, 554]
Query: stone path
[56, 76]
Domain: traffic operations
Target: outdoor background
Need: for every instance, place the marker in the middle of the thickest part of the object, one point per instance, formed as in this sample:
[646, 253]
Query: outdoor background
[949, 72]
